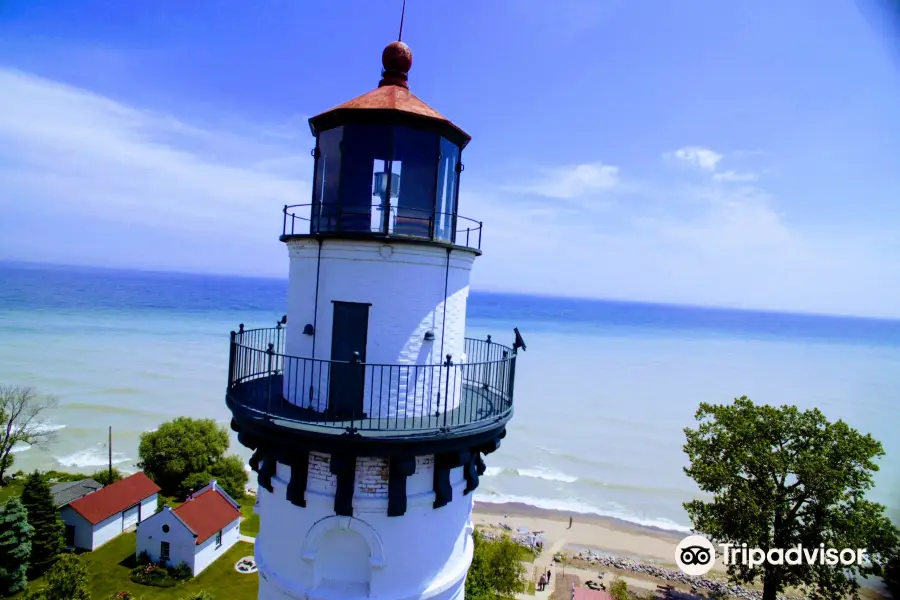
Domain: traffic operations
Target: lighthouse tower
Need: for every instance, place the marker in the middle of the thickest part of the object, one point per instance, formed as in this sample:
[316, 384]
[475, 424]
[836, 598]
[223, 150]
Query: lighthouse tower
[368, 409]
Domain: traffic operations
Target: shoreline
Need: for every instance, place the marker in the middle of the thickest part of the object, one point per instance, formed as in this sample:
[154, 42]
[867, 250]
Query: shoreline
[589, 531]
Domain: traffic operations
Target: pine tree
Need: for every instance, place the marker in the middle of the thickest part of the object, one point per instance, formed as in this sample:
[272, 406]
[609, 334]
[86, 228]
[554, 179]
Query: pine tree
[15, 547]
[48, 540]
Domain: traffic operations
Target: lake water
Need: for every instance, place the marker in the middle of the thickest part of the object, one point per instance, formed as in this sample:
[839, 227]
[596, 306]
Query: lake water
[603, 391]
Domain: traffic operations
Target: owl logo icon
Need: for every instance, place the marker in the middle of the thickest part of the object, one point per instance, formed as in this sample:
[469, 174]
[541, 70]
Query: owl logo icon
[695, 555]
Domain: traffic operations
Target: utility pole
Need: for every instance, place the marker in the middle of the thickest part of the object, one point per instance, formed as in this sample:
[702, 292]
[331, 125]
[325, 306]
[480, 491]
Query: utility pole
[110, 454]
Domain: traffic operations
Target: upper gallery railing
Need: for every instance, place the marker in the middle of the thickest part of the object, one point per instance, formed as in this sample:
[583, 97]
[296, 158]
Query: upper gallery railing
[401, 222]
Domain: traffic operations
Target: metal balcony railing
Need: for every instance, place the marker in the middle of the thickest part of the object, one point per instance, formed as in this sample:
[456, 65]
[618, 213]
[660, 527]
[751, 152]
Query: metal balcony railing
[466, 393]
[365, 220]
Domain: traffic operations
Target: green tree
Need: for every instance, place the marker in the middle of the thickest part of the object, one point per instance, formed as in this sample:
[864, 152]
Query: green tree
[21, 423]
[618, 589]
[48, 541]
[184, 447]
[496, 570]
[104, 477]
[781, 477]
[15, 547]
[67, 580]
[229, 473]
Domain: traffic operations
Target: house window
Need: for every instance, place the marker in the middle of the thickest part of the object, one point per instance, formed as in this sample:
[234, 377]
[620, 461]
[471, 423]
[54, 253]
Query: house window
[219, 539]
[164, 551]
[165, 528]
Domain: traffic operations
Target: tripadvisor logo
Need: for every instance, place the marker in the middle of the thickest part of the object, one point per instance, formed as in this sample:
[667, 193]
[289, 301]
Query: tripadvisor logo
[696, 555]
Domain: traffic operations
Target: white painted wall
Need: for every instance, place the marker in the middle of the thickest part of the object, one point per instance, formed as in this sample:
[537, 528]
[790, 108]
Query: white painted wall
[423, 554]
[84, 533]
[405, 285]
[106, 530]
[207, 552]
[148, 506]
[181, 541]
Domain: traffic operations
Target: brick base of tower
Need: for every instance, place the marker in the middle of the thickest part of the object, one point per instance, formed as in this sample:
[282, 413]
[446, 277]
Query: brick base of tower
[310, 553]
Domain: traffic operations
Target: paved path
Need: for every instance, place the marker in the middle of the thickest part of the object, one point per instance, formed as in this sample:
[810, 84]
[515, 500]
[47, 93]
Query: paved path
[247, 538]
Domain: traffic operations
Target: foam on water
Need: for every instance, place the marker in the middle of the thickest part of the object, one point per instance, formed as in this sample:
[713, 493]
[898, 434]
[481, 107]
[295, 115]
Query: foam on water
[93, 457]
[535, 473]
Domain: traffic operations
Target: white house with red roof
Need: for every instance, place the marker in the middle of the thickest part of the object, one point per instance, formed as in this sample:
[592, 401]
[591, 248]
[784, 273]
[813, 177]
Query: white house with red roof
[196, 533]
[98, 517]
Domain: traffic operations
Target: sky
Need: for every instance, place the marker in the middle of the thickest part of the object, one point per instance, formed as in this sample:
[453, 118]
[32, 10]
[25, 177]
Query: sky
[740, 154]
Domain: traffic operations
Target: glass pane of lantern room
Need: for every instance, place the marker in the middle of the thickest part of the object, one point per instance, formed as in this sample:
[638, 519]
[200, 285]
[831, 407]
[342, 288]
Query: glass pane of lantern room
[364, 147]
[417, 153]
[326, 187]
[446, 191]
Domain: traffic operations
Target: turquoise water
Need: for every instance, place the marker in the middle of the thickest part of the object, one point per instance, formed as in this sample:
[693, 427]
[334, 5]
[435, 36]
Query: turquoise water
[603, 391]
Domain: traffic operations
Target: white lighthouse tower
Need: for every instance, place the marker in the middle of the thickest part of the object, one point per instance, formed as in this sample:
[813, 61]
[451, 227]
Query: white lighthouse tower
[368, 409]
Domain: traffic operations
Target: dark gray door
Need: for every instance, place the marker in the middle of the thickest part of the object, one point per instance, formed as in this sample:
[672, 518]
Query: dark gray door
[349, 333]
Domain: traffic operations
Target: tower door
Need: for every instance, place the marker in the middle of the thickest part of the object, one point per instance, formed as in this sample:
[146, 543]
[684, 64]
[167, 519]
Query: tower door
[349, 333]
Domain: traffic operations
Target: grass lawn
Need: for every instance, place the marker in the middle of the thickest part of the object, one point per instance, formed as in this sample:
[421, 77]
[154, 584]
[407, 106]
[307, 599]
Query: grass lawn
[109, 567]
[250, 524]
[13, 489]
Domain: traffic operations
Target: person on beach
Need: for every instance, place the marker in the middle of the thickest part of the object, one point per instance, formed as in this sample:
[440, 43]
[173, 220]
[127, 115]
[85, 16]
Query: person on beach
[542, 583]
[570, 522]
[548, 575]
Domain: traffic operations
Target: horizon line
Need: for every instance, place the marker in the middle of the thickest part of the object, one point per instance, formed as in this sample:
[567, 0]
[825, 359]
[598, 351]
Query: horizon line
[607, 300]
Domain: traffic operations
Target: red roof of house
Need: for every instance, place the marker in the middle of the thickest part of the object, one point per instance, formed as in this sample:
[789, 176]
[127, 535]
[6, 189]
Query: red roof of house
[207, 514]
[583, 593]
[105, 502]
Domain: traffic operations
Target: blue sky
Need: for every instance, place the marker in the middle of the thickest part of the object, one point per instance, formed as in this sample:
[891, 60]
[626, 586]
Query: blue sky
[738, 153]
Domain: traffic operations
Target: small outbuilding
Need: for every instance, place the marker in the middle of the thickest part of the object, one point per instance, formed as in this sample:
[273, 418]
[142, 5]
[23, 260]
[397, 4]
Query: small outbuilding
[98, 517]
[196, 533]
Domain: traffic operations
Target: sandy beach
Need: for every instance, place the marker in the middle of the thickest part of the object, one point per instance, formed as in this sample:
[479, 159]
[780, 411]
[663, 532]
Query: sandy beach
[606, 534]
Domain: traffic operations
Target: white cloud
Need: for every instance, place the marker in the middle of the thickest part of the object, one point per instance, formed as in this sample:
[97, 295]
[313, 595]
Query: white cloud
[700, 157]
[571, 181]
[735, 176]
[87, 154]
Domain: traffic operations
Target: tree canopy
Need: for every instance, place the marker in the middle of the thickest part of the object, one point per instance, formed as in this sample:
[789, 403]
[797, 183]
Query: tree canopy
[184, 452]
[20, 422]
[496, 570]
[67, 580]
[106, 476]
[15, 547]
[48, 540]
[781, 477]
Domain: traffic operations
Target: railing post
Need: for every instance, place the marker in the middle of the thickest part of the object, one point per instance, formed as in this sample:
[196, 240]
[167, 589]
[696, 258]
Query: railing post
[448, 364]
[270, 351]
[354, 370]
[232, 350]
[480, 226]
[512, 375]
[284, 222]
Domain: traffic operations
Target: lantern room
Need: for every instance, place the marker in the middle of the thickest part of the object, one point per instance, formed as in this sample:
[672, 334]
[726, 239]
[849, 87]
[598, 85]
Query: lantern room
[387, 164]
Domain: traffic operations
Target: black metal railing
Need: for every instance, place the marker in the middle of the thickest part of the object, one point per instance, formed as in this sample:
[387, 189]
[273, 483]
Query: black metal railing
[400, 222]
[468, 392]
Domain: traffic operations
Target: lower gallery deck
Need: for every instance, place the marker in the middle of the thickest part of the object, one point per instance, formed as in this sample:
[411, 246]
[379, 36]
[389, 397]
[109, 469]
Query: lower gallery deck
[261, 398]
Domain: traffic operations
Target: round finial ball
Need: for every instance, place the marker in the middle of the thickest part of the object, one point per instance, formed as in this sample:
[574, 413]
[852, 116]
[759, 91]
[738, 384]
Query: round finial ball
[397, 57]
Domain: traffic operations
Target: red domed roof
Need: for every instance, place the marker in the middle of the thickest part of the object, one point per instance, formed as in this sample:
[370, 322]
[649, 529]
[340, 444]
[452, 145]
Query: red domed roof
[392, 94]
